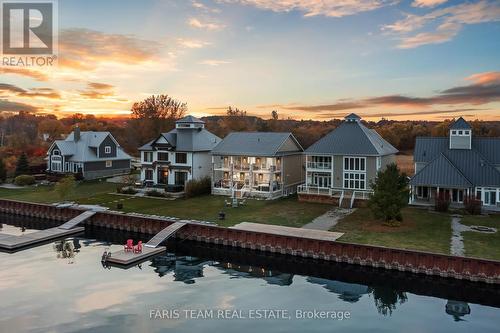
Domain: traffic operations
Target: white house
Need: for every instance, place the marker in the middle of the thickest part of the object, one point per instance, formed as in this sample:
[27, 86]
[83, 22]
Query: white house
[178, 156]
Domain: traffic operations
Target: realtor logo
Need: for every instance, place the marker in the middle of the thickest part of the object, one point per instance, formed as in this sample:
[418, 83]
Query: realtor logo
[28, 28]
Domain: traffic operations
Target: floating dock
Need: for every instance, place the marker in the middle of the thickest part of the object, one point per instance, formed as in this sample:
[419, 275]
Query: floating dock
[289, 231]
[151, 248]
[11, 243]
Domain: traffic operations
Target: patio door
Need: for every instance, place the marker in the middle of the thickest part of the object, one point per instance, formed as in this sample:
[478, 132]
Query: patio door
[457, 195]
[490, 197]
[322, 180]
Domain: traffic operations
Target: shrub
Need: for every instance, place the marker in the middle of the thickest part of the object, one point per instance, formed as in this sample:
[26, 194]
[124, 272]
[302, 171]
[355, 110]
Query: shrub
[194, 188]
[126, 190]
[442, 202]
[155, 193]
[23, 180]
[3, 171]
[472, 205]
[65, 186]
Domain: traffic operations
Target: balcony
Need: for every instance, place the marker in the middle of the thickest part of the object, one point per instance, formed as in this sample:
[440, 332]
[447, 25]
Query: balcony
[319, 165]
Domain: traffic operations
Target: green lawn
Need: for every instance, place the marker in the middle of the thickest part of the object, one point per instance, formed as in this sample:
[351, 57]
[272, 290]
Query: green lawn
[46, 194]
[420, 230]
[482, 245]
[288, 211]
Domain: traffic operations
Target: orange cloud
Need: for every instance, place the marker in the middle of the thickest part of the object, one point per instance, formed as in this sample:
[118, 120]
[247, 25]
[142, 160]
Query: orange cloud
[84, 49]
[37, 75]
[97, 90]
[485, 78]
[199, 24]
[32, 93]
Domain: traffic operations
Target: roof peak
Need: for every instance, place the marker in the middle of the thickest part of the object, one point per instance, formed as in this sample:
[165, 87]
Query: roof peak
[190, 119]
[352, 117]
[460, 123]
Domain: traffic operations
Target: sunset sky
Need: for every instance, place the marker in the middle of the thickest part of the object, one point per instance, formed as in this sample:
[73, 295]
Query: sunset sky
[307, 59]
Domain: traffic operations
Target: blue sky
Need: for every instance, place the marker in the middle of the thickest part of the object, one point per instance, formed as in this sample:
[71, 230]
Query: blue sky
[417, 59]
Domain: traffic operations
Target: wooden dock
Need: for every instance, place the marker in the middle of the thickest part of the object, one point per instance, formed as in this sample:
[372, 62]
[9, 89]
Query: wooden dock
[12, 243]
[128, 258]
[289, 231]
[77, 220]
[151, 248]
[164, 234]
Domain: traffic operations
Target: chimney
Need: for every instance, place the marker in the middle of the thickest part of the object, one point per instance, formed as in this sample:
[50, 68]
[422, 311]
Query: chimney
[76, 133]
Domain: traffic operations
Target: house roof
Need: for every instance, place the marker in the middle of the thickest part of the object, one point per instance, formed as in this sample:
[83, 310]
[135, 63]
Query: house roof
[190, 119]
[80, 151]
[460, 123]
[255, 144]
[427, 148]
[440, 172]
[198, 139]
[352, 138]
[473, 164]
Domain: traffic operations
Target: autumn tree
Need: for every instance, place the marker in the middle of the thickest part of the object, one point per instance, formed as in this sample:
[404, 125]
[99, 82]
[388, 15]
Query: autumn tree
[22, 166]
[154, 115]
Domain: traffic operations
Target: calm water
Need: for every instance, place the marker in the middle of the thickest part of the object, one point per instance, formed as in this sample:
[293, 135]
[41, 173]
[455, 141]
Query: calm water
[44, 290]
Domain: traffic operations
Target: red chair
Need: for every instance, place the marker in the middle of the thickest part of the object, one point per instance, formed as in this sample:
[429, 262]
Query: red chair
[138, 247]
[129, 246]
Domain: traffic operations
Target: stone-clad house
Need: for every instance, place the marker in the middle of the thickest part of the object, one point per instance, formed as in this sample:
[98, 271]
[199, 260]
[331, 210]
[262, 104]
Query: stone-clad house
[340, 166]
[456, 167]
[91, 154]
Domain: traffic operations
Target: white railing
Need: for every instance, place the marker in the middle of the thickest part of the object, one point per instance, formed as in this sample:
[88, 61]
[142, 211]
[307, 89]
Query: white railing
[319, 165]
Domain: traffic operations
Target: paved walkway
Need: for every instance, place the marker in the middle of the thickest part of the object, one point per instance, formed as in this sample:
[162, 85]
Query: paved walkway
[457, 240]
[329, 219]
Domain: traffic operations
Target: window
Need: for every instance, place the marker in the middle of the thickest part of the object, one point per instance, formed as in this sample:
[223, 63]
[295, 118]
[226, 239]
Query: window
[181, 158]
[353, 180]
[354, 164]
[107, 150]
[56, 152]
[162, 156]
[109, 164]
[379, 162]
[454, 132]
[148, 156]
[466, 132]
[459, 132]
[148, 174]
[180, 178]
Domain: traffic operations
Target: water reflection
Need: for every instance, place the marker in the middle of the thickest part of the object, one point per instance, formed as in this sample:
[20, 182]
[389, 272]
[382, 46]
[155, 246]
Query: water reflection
[197, 275]
[457, 309]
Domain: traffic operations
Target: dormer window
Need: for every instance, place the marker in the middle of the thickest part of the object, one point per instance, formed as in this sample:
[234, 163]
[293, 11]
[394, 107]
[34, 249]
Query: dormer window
[459, 132]
[466, 132]
[454, 132]
[107, 150]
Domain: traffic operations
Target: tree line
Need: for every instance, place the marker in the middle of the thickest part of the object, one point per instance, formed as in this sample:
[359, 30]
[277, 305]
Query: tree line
[32, 133]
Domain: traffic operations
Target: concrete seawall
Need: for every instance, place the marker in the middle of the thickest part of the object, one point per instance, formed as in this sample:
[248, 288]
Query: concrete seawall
[472, 269]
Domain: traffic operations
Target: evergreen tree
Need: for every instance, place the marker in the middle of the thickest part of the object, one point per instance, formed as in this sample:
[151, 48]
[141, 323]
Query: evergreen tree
[3, 171]
[390, 194]
[22, 166]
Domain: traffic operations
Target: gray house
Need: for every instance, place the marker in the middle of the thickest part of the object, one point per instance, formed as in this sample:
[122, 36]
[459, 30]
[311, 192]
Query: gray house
[340, 166]
[175, 157]
[456, 167]
[92, 154]
[257, 164]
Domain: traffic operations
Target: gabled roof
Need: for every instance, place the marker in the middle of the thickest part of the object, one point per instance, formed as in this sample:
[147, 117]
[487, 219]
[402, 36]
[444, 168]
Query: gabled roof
[471, 163]
[460, 123]
[440, 172]
[190, 119]
[80, 151]
[188, 140]
[427, 148]
[255, 144]
[352, 138]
